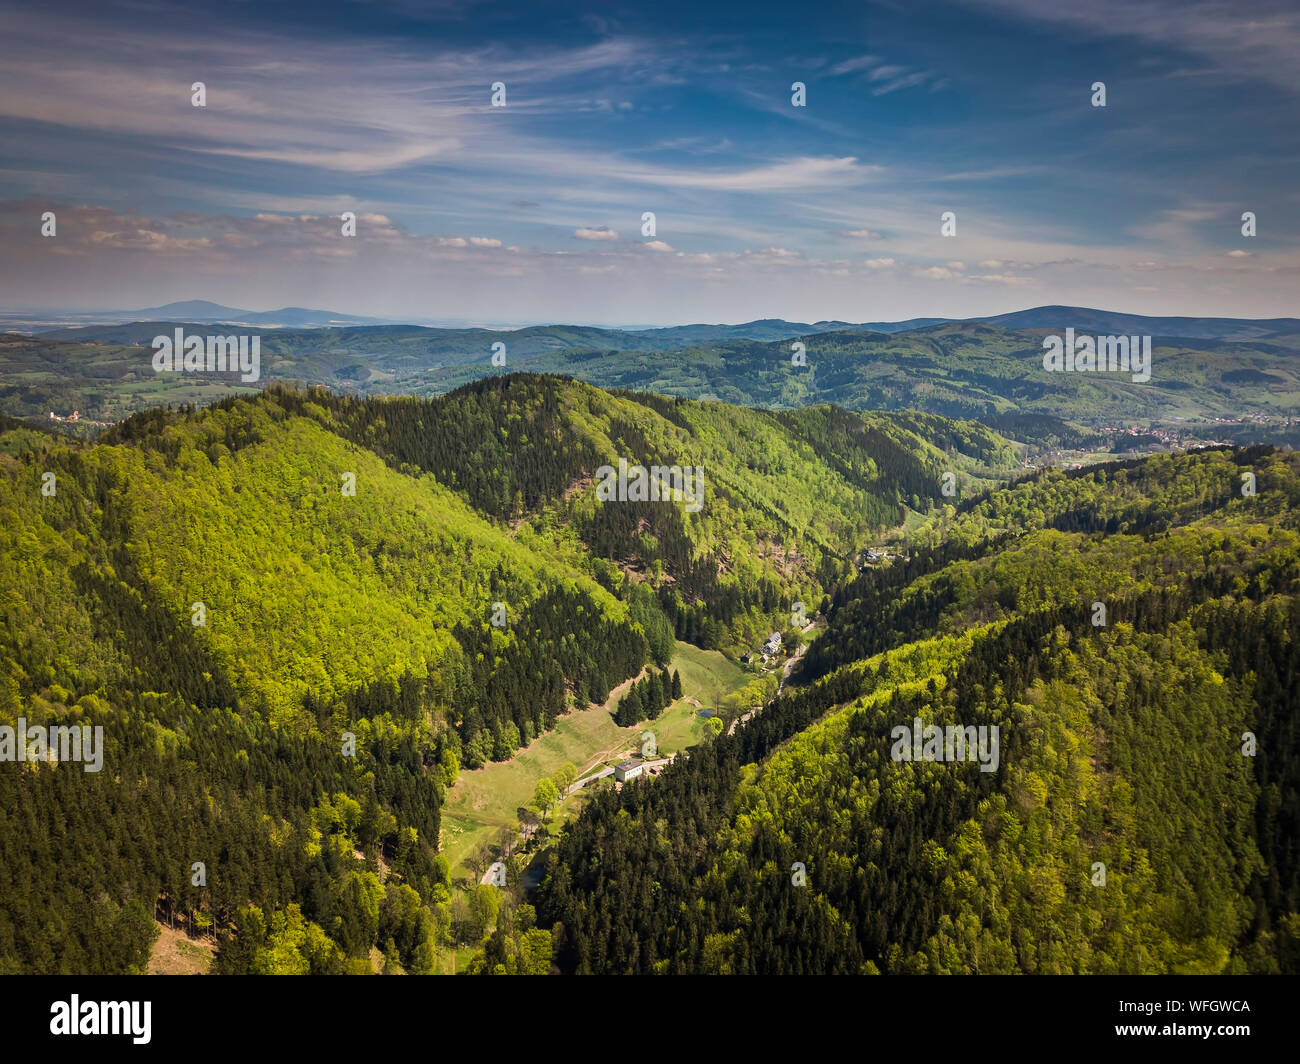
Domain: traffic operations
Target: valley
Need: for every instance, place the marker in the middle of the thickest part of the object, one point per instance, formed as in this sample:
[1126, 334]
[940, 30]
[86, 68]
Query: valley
[362, 647]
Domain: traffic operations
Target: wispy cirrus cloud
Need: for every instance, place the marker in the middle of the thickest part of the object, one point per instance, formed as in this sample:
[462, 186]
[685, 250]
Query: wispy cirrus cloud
[1255, 39]
[850, 66]
[883, 76]
[673, 112]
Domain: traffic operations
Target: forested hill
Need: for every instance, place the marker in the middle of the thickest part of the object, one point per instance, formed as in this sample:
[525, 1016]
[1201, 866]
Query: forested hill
[297, 616]
[1130, 632]
[789, 497]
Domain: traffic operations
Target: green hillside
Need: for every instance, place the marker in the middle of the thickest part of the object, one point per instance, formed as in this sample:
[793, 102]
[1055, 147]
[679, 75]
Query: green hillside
[291, 678]
[1143, 811]
[789, 498]
[298, 616]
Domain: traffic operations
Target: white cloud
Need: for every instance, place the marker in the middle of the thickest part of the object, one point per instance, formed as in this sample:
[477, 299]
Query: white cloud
[1257, 40]
[132, 260]
[1004, 278]
[370, 160]
[484, 242]
[147, 240]
[802, 173]
[905, 82]
[860, 62]
[600, 233]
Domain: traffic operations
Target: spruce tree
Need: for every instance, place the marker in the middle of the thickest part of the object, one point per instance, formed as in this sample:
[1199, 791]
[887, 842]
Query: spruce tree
[654, 696]
[634, 711]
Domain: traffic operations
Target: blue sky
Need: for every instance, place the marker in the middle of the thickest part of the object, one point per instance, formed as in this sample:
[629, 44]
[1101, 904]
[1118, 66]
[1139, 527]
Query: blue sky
[532, 212]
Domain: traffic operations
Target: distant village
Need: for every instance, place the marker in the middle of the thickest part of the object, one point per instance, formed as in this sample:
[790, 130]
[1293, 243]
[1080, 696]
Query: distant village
[1154, 439]
[76, 417]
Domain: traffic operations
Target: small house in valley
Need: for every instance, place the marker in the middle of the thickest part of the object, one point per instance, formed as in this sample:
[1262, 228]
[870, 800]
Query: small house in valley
[628, 770]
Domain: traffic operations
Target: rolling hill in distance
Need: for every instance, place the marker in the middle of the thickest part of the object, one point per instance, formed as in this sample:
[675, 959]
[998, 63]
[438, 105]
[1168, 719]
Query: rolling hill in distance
[196, 310]
[1212, 379]
[1048, 317]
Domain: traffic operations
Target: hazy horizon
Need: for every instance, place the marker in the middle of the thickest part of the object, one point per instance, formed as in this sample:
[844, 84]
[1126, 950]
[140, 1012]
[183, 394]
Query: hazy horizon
[52, 314]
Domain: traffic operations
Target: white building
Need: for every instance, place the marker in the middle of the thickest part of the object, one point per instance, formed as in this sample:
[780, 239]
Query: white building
[628, 770]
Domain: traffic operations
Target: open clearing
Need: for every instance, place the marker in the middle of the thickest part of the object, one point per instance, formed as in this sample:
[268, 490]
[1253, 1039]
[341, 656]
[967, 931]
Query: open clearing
[174, 953]
[484, 800]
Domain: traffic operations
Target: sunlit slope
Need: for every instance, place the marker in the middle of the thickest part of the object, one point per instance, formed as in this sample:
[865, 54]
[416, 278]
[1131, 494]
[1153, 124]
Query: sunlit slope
[242, 519]
[787, 499]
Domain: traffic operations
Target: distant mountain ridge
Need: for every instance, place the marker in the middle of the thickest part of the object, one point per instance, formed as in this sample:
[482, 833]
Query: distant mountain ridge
[777, 329]
[205, 311]
[1241, 371]
[132, 326]
[1088, 320]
